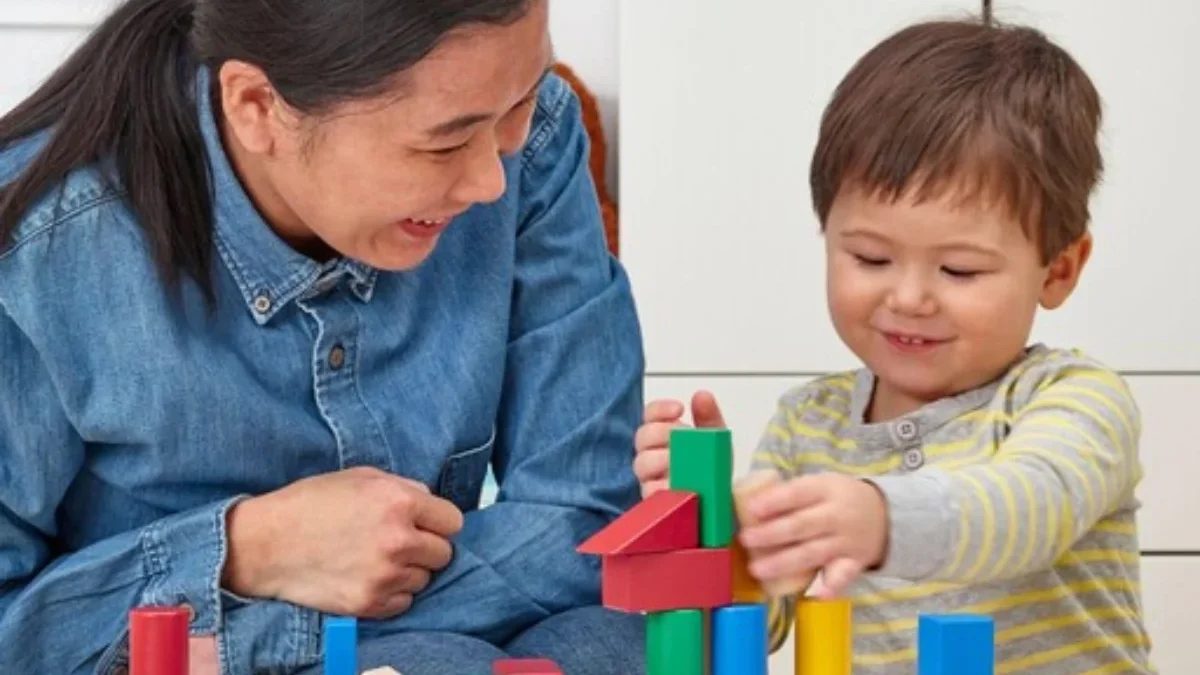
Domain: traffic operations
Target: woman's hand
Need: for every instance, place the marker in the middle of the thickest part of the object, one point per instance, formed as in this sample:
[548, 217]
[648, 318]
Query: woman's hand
[651, 442]
[358, 542]
[202, 656]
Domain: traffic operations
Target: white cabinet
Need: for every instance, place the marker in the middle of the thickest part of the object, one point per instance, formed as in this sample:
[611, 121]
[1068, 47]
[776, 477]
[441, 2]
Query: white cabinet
[720, 104]
[1137, 304]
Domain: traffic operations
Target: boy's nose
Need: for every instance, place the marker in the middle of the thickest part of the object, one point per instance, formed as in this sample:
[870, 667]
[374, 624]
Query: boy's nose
[911, 297]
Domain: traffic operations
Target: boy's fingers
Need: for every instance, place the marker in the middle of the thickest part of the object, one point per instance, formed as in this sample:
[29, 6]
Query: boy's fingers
[781, 498]
[705, 412]
[663, 410]
[837, 578]
[652, 487]
[794, 561]
[651, 465]
[788, 528]
[653, 436]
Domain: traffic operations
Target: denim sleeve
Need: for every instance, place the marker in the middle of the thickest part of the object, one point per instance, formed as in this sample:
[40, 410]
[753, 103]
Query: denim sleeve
[572, 401]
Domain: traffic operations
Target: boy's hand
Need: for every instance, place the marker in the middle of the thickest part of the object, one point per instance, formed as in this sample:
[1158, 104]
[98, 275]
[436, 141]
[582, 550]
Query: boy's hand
[652, 438]
[822, 521]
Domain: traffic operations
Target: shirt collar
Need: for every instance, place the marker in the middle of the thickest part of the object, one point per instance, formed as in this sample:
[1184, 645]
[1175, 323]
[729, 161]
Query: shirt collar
[268, 272]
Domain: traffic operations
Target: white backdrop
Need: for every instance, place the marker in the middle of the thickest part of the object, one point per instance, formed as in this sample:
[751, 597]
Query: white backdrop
[719, 111]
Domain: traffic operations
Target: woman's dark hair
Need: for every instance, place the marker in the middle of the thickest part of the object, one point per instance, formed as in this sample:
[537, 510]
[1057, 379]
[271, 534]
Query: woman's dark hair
[125, 95]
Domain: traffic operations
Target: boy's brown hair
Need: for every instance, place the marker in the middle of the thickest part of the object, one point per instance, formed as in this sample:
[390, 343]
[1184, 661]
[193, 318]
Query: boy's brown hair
[969, 108]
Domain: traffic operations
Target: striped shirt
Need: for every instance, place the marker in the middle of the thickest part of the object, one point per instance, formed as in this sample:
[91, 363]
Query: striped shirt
[1015, 500]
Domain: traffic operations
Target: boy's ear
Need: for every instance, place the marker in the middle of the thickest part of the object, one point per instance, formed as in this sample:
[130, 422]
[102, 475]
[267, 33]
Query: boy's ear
[1062, 274]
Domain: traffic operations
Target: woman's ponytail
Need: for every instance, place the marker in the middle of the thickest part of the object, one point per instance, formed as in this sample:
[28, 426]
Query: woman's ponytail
[124, 96]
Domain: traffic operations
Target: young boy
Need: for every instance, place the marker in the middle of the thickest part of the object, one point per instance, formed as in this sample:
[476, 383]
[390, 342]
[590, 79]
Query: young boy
[960, 470]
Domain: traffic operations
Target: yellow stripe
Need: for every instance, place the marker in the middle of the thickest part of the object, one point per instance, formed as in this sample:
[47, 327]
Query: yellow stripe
[1006, 603]
[803, 430]
[1113, 668]
[1067, 651]
[821, 459]
[1010, 507]
[1107, 402]
[1031, 525]
[1115, 527]
[1076, 558]
[989, 525]
[1057, 459]
[1052, 623]
[1014, 665]
[1051, 404]
[770, 458]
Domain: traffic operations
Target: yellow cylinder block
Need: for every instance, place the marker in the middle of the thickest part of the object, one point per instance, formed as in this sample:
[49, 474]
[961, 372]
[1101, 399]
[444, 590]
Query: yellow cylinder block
[824, 637]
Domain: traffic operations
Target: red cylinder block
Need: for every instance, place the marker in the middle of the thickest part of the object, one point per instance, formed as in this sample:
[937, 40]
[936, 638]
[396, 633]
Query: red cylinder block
[158, 641]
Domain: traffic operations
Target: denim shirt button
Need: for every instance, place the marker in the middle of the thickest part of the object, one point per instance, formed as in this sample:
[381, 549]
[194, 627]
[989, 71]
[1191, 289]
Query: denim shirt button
[262, 303]
[337, 357]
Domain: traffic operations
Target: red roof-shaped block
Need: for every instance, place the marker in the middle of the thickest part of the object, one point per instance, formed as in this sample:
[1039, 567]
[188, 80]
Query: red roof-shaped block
[667, 520]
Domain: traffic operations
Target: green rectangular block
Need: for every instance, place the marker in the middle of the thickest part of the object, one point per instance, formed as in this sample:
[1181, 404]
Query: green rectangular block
[675, 642]
[702, 462]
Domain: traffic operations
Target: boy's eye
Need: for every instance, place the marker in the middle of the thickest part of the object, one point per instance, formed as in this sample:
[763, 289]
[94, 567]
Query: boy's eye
[869, 261]
[960, 273]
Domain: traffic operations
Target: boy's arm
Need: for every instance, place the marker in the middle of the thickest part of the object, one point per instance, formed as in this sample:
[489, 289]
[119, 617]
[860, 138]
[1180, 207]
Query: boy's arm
[1071, 459]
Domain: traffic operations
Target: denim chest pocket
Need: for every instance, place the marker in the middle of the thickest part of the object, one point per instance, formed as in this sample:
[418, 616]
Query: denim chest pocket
[463, 475]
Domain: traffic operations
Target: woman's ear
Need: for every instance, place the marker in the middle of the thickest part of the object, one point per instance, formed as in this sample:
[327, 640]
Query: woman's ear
[1062, 274]
[249, 107]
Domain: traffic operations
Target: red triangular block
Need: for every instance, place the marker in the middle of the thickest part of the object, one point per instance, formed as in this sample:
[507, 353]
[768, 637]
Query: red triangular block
[668, 520]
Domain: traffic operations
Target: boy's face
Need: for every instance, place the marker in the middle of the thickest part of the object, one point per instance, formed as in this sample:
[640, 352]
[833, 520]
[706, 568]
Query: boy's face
[934, 299]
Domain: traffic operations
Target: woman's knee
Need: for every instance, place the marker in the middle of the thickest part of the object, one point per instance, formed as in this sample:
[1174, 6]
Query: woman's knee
[427, 654]
[587, 641]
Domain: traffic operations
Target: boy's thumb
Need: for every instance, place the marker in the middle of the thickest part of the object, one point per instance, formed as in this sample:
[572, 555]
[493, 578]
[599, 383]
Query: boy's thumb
[705, 412]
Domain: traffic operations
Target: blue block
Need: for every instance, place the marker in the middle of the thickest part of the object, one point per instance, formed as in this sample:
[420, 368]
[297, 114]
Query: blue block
[739, 640]
[341, 646]
[956, 644]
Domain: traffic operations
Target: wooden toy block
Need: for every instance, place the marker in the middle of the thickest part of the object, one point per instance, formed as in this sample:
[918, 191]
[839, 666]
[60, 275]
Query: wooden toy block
[746, 588]
[698, 578]
[956, 644]
[667, 520]
[158, 641]
[823, 637]
[341, 646]
[701, 461]
[525, 667]
[739, 640]
[675, 642]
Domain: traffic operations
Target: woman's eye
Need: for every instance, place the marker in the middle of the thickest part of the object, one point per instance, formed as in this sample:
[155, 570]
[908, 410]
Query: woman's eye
[442, 152]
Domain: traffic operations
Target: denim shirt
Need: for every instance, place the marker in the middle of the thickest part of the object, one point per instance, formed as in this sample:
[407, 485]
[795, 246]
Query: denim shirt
[131, 419]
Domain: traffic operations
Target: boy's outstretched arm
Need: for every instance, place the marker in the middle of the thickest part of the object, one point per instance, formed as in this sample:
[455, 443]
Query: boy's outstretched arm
[1069, 461]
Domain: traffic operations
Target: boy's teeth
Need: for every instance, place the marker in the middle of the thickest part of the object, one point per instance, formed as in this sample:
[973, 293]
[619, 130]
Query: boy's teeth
[911, 341]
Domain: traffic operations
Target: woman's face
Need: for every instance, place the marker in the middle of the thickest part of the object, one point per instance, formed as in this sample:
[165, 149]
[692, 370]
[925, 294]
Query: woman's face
[379, 180]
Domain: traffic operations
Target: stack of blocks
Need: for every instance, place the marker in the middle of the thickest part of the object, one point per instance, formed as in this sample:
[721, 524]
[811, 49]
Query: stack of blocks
[673, 557]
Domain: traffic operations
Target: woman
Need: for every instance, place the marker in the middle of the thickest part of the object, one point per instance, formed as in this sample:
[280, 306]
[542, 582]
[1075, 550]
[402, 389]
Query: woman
[279, 281]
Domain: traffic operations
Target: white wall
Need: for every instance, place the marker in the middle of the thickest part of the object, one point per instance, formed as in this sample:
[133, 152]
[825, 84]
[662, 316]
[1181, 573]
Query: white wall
[719, 109]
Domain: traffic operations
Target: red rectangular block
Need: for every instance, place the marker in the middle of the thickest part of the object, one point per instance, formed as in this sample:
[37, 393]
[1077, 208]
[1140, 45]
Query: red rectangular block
[525, 667]
[700, 578]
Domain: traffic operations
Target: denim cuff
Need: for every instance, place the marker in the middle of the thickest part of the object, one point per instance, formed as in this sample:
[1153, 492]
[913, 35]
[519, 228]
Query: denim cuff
[185, 558]
[921, 526]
